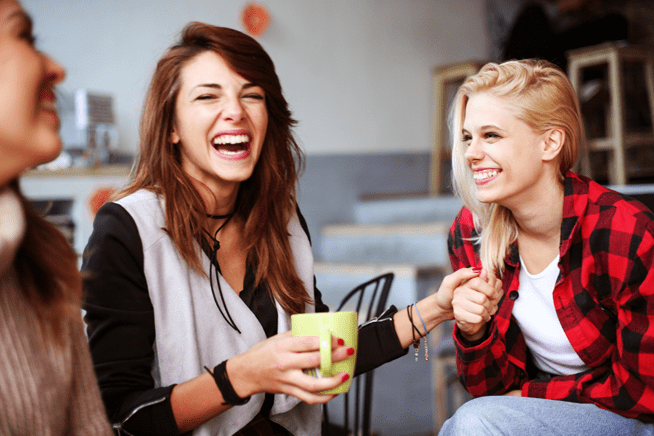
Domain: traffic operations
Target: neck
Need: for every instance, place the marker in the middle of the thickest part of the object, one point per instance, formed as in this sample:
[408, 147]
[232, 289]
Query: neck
[220, 208]
[541, 217]
[220, 203]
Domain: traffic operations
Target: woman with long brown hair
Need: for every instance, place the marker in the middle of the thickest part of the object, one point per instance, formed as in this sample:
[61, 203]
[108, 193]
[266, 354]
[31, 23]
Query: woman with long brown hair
[47, 384]
[195, 269]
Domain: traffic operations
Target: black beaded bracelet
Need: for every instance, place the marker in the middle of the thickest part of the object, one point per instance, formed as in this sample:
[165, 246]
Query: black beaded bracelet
[225, 387]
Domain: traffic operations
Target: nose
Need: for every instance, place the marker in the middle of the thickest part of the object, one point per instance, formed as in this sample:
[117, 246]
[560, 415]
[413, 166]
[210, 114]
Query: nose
[233, 109]
[474, 150]
[55, 73]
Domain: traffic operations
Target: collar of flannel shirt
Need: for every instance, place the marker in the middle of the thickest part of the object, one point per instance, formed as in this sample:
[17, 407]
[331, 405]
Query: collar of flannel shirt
[575, 202]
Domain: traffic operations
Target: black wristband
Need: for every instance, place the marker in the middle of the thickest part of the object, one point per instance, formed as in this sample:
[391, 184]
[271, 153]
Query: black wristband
[219, 375]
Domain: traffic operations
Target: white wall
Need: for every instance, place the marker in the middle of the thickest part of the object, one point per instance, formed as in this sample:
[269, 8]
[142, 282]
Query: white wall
[357, 73]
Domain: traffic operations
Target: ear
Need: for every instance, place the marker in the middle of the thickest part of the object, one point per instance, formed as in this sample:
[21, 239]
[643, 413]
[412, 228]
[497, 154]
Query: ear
[552, 144]
[174, 137]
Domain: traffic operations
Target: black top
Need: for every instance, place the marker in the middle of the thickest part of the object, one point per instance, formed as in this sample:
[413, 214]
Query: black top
[120, 323]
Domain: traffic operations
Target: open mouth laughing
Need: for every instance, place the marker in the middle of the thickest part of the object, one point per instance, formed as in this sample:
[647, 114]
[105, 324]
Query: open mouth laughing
[483, 176]
[232, 146]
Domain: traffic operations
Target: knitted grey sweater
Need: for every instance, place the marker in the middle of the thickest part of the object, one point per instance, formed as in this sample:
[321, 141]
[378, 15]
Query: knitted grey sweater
[45, 389]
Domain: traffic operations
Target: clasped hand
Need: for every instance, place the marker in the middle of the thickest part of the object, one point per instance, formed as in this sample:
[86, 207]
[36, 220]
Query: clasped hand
[474, 302]
[275, 366]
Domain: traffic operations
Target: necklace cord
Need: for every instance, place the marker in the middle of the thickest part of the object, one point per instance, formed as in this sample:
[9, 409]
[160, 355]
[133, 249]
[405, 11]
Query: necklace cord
[216, 269]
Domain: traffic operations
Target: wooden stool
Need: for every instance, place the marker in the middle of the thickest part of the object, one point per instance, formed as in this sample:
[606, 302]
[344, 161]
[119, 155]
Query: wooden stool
[448, 75]
[617, 139]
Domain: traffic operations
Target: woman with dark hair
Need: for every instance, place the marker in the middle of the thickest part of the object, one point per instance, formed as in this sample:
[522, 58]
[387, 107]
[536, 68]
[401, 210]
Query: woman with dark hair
[571, 350]
[203, 258]
[47, 384]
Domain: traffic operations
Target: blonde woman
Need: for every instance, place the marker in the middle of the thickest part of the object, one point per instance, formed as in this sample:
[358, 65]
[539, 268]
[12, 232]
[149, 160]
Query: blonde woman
[576, 323]
[47, 384]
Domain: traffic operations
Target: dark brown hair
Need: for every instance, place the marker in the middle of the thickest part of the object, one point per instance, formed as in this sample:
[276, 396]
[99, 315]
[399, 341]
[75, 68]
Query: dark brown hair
[47, 271]
[266, 200]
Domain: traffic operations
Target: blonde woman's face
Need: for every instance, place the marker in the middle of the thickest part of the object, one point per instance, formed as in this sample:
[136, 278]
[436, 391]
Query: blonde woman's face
[502, 152]
[221, 122]
[28, 115]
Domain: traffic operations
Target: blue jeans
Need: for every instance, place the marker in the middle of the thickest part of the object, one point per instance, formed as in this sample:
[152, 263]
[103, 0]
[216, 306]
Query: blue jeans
[499, 415]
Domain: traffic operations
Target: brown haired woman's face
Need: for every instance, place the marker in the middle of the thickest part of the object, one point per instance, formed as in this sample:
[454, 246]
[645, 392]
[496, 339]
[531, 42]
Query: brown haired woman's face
[221, 122]
[28, 115]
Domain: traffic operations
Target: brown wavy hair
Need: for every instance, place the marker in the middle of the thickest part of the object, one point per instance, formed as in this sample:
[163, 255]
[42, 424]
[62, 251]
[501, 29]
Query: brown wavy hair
[267, 200]
[47, 272]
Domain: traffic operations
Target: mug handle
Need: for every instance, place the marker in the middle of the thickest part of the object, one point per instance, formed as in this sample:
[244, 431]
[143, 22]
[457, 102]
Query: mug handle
[325, 350]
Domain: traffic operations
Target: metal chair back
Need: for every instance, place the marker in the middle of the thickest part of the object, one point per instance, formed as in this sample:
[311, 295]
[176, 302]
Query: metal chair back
[368, 300]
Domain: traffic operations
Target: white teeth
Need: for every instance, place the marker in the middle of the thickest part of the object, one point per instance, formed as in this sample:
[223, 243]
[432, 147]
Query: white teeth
[231, 139]
[483, 175]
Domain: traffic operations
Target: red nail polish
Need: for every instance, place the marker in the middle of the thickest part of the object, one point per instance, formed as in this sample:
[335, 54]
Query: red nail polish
[340, 341]
[476, 270]
[350, 351]
[345, 378]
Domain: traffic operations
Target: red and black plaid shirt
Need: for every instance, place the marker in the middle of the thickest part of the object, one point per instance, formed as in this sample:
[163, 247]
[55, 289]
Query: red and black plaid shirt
[604, 299]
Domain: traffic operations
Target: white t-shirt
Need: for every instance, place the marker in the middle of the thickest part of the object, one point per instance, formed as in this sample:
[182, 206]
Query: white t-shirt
[536, 316]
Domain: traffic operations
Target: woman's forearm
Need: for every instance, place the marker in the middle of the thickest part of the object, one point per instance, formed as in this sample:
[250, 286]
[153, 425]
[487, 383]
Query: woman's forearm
[434, 309]
[432, 314]
[196, 401]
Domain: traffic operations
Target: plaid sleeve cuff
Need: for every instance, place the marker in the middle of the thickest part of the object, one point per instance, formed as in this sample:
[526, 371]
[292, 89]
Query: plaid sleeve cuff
[468, 351]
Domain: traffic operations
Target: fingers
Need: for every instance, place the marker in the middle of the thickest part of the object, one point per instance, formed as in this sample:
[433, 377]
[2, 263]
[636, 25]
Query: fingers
[304, 351]
[472, 307]
[301, 344]
[496, 284]
[459, 276]
[272, 366]
[475, 302]
[308, 360]
[494, 281]
[308, 388]
[483, 286]
[451, 282]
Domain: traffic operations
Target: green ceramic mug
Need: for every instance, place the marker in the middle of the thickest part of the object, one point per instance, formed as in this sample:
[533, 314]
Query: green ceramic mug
[343, 325]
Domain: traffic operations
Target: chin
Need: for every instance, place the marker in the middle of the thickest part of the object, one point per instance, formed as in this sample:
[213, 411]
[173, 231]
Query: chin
[235, 176]
[489, 199]
[483, 197]
[50, 152]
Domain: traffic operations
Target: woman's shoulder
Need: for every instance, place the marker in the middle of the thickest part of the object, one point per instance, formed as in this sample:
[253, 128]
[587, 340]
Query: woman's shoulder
[146, 209]
[622, 209]
[113, 229]
[140, 197]
[463, 222]
[113, 218]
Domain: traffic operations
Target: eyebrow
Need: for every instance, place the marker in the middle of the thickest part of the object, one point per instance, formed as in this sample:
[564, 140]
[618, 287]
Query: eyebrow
[486, 127]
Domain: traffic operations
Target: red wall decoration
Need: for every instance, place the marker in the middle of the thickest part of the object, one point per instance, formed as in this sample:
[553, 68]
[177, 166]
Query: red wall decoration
[255, 18]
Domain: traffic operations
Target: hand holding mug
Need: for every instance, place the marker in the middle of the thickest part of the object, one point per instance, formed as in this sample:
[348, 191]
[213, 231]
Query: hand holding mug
[277, 365]
[326, 326]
